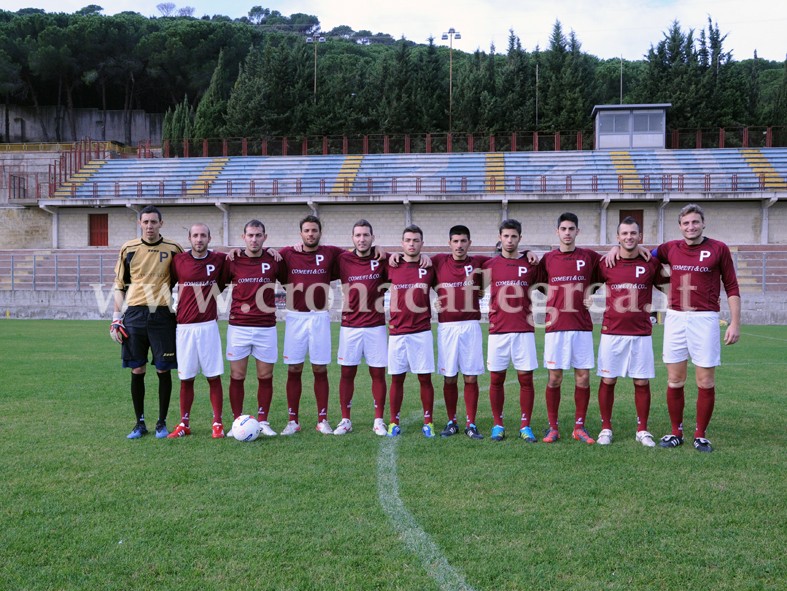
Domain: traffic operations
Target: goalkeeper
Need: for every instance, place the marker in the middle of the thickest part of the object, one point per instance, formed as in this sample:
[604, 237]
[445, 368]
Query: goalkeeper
[143, 283]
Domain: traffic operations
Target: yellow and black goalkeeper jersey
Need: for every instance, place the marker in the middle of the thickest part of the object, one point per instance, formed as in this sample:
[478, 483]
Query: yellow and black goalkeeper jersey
[143, 271]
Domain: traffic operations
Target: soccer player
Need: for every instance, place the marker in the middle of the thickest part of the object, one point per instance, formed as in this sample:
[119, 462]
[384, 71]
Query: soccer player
[568, 342]
[362, 334]
[200, 275]
[310, 270]
[699, 266]
[510, 277]
[252, 322]
[626, 346]
[459, 347]
[143, 283]
[410, 344]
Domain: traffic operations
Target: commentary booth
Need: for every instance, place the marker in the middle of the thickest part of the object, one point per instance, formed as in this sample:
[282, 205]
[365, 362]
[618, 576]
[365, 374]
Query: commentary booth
[629, 127]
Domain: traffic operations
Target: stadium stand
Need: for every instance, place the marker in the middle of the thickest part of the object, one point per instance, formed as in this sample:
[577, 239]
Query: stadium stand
[635, 171]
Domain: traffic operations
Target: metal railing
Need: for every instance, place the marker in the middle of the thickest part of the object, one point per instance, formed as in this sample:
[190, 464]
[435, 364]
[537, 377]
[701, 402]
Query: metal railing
[437, 184]
[56, 271]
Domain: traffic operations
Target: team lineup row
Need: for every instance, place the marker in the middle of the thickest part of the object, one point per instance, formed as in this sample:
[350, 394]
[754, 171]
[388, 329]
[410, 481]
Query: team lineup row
[189, 341]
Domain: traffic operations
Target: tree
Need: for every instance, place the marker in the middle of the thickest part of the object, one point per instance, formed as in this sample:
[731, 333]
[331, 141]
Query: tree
[209, 119]
[166, 8]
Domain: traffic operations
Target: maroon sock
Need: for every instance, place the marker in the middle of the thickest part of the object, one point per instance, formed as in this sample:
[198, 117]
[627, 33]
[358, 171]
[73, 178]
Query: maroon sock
[264, 397]
[527, 397]
[451, 396]
[293, 394]
[606, 398]
[378, 390]
[216, 397]
[642, 404]
[675, 403]
[396, 396]
[470, 395]
[427, 395]
[706, 398]
[497, 395]
[553, 405]
[236, 397]
[186, 400]
[321, 394]
[581, 400]
[347, 389]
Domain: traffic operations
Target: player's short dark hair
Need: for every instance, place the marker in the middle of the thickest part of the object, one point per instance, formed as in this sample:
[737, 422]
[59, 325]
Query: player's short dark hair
[150, 209]
[254, 224]
[413, 229]
[691, 208]
[363, 224]
[568, 217]
[459, 230]
[310, 219]
[629, 221]
[510, 224]
[204, 225]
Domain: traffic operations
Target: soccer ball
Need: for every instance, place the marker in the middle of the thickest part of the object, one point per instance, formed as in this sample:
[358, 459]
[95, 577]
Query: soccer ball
[245, 428]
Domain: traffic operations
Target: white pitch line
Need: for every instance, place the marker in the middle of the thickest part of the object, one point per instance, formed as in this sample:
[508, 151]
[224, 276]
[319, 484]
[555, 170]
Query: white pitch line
[760, 336]
[415, 538]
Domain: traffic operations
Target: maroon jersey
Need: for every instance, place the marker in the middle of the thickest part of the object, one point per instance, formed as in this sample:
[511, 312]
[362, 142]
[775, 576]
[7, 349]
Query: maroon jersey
[411, 310]
[459, 286]
[199, 282]
[509, 282]
[568, 276]
[254, 289]
[630, 295]
[697, 273]
[309, 275]
[363, 283]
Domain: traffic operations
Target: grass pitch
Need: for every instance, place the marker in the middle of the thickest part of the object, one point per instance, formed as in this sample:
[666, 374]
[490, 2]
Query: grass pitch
[83, 508]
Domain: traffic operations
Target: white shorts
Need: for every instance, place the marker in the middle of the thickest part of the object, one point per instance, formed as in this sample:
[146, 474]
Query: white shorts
[369, 343]
[198, 348]
[626, 356]
[262, 342]
[459, 348]
[568, 348]
[412, 353]
[307, 332]
[692, 334]
[516, 347]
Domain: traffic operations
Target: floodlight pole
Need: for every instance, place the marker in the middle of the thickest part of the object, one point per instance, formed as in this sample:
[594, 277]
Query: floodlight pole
[450, 36]
[315, 38]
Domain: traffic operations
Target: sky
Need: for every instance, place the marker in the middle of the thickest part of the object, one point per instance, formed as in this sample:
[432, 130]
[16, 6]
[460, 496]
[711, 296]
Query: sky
[605, 28]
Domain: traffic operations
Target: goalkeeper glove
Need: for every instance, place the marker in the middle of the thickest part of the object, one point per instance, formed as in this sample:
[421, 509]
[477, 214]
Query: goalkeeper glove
[117, 331]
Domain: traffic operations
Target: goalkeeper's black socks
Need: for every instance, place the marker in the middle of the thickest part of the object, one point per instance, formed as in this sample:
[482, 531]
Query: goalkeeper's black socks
[138, 395]
[164, 394]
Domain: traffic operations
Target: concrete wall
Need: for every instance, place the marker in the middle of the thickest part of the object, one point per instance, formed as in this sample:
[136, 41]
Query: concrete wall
[46, 125]
[25, 228]
[735, 222]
